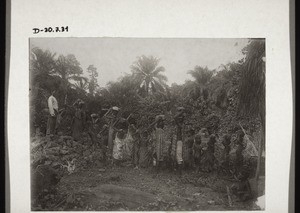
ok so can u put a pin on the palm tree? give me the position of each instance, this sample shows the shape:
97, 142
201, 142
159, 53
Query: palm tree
252, 88
67, 67
149, 75
202, 77
42, 64
81, 83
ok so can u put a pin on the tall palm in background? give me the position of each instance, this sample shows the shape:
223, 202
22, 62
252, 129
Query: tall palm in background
252, 88
149, 75
41, 67
202, 76
42, 64
67, 67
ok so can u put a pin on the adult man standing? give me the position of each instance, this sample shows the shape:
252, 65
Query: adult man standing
53, 112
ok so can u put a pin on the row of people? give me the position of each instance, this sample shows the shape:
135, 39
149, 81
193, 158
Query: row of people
154, 146
121, 140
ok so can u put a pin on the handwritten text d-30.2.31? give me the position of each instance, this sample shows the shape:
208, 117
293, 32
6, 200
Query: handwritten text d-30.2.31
51, 29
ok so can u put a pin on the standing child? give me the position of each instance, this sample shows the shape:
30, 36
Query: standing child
79, 121
144, 151
197, 152
135, 135
239, 160
159, 140
118, 146
208, 161
243, 189
188, 149
179, 120
112, 118
226, 143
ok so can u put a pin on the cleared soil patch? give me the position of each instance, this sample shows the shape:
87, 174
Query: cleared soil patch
126, 188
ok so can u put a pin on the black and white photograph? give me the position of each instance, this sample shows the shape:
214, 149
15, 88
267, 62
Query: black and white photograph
147, 124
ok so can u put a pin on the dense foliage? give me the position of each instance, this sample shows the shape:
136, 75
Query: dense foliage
214, 99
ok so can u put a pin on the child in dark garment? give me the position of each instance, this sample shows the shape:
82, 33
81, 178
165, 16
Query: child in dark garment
145, 152
209, 159
226, 143
136, 139
239, 161
197, 152
188, 149
243, 189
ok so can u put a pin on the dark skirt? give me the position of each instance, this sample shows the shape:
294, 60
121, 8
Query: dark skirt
188, 156
51, 124
77, 129
145, 157
207, 163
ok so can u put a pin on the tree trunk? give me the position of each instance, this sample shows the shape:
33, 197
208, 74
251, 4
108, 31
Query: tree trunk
147, 88
260, 146
259, 160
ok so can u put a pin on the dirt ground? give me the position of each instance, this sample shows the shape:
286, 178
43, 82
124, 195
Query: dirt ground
128, 188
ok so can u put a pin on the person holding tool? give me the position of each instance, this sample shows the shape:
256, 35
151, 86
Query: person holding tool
111, 117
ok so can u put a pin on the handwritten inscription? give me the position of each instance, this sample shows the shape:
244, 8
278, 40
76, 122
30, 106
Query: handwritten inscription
51, 30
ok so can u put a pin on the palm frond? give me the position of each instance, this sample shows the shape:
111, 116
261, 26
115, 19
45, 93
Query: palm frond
201, 75
158, 70
161, 78
147, 72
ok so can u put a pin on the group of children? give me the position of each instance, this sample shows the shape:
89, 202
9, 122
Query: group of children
121, 140
154, 146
